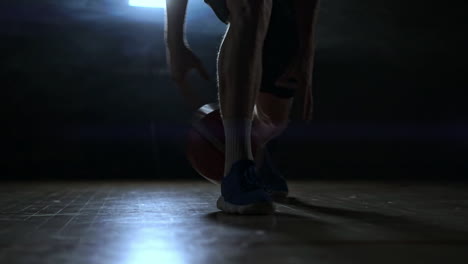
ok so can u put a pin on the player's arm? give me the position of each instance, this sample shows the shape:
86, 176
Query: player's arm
175, 20
179, 56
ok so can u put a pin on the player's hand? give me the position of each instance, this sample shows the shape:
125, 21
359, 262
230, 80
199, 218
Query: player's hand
181, 61
298, 77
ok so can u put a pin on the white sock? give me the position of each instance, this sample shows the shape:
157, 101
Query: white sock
238, 142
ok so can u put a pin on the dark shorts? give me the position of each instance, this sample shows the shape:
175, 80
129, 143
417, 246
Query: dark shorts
280, 44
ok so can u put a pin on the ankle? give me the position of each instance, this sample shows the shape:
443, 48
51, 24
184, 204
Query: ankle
237, 141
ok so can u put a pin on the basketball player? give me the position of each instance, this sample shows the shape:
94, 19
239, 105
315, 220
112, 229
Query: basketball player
265, 61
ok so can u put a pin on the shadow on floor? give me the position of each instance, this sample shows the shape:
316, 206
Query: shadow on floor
314, 224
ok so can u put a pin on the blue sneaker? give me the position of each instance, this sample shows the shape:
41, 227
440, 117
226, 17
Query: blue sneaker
272, 179
242, 191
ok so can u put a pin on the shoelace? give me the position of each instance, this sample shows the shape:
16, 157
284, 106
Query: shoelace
250, 180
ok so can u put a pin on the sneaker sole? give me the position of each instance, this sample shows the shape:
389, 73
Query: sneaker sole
264, 208
279, 196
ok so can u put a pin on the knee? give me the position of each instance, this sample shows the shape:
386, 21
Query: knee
252, 13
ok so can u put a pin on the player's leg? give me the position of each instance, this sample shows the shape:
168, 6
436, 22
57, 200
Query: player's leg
285, 77
275, 100
288, 75
239, 73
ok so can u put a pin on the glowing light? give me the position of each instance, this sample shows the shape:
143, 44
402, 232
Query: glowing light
148, 3
148, 244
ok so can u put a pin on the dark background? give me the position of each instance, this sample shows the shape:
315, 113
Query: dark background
86, 92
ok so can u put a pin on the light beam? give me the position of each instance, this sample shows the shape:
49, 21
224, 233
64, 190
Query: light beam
148, 3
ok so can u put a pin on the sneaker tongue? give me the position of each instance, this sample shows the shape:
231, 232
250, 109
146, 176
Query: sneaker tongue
250, 179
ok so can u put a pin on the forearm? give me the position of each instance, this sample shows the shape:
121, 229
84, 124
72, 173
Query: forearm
175, 20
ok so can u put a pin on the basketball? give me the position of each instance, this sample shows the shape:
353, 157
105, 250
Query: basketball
205, 143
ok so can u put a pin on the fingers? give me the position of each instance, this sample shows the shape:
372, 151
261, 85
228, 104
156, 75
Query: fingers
201, 70
190, 98
179, 71
180, 76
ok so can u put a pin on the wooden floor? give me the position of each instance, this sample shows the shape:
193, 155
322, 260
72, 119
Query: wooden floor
177, 222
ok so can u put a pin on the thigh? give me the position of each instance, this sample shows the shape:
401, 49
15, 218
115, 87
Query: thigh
280, 47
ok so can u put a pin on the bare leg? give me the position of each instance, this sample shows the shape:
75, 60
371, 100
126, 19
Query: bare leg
239, 73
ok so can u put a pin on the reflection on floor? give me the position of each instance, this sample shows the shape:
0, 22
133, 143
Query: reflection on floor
177, 222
